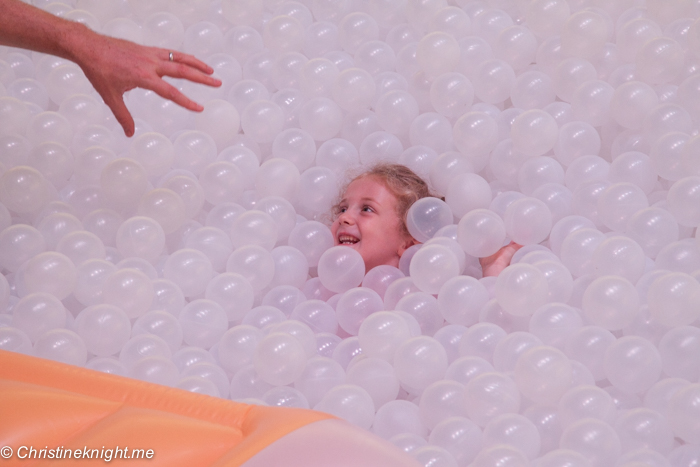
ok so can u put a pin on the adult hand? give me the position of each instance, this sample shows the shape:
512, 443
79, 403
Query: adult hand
115, 66
497, 262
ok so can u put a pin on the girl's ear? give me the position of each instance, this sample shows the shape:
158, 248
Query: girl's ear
406, 244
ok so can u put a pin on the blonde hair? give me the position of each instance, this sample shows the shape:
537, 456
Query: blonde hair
401, 181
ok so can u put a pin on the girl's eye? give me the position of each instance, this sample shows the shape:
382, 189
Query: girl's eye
367, 209
342, 210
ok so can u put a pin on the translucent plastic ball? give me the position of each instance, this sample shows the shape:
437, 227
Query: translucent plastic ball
532, 90
141, 237
426, 216
354, 89
203, 323
461, 298
254, 263
321, 117
81, 246
254, 228
395, 110
509, 349
104, 329
491, 394
341, 268
611, 302
590, 102
23, 189
355, 306
193, 150
682, 201
14, 115
517, 45
37, 313
165, 206
584, 34
237, 347
284, 33
619, 202
475, 135
683, 412
543, 374
433, 130
513, 430
534, 132
632, 364
521, 289
631, 102
673, 299
380, 146
214, 243
14, 340
220, 120
422, 309
632, 35
437, 53
162, 324
459, 436
18, 244
163, 29
527, 221
381, 333
56, 225
316, 314
554, 323
279, 359
677, 348
91, 277
441, 400
349, 402
50, 272
129, 289
452, 94
432, 266
291, 267
123, 182
278, 177
312, 238
356, 28
481, 232
481, 340
66, 80
262, 120
54, 161
376, 376
620, 256
594, 439
571, 73
295, 145
61, 345
221, 182
493, 80
419, 362
190, 269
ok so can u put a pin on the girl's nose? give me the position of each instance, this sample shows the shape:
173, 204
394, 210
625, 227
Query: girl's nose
346, 218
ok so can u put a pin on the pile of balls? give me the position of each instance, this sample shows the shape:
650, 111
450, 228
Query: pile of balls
198, 255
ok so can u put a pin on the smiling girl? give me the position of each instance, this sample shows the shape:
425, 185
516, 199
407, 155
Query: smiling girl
371, 218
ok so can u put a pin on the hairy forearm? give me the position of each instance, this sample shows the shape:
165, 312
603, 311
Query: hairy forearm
28, 27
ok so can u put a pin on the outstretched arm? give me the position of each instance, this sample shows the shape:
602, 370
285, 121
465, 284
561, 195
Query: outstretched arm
497, 262
113, 66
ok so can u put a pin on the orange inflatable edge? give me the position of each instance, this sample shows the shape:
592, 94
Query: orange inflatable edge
259, 426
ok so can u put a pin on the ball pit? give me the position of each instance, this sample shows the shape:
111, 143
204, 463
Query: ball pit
198, 255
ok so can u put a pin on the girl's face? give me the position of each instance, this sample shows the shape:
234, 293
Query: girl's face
367, 221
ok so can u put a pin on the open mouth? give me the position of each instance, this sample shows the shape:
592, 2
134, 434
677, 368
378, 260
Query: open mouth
347, 240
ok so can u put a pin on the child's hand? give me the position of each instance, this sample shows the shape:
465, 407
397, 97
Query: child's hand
497, 262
